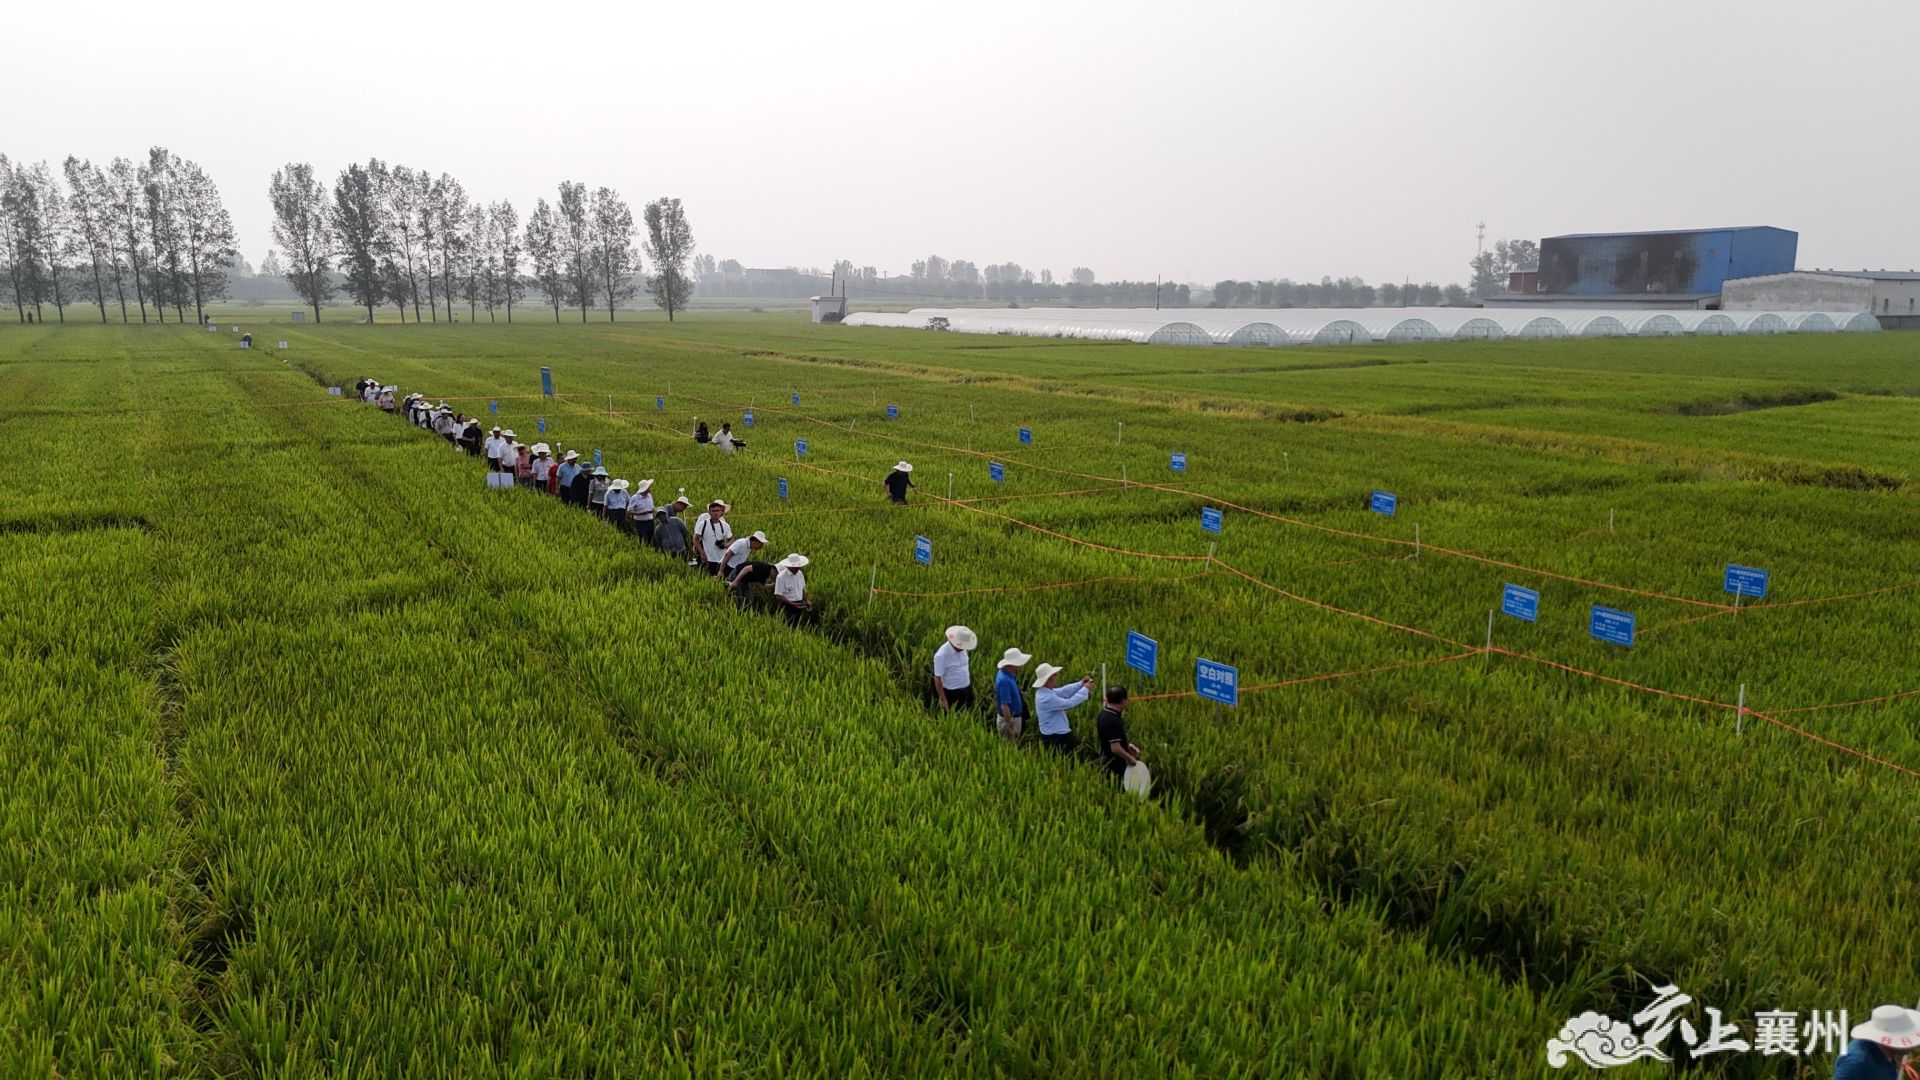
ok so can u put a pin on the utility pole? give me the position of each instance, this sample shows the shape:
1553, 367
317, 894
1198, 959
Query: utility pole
1480, 239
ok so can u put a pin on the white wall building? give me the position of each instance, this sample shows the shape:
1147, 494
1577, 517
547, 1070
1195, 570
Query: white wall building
1891, 296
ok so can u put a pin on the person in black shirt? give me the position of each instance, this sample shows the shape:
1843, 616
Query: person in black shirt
1110, 729
577, 490
898, 481
746, 577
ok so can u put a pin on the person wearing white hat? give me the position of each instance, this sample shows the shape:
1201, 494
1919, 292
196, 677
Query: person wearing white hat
952, 675
898, 481
597, 482
509, 459
493, 446
640, 511
539, 466
616, 504
468, 435
1050, 705
670, 533
790, 589
712, 535
386, 399
739, 552
1880, 1045
564, 475
1010, 707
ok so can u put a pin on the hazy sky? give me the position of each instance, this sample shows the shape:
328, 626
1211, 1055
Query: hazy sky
1190, 140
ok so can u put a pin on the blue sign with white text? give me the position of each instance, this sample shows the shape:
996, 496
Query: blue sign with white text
923, 551
1519, 603
1216, 682
796, 397
893, 412
541, 423
493, 407
747, 418
596, 459
1143, 653
1211, 519
1745, 581
546, 381
783, 489
659, 403
1384, 502
997, 471
1026, 436
1178, 463
1612, 626
800, 447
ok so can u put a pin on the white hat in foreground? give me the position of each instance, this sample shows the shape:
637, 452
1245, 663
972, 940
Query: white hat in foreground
541, 448
617, 485
1137, 780
1013, 658
507, 434
643, 487
571, 455
903, 467
1044, 672
1891, 1026
758, 536
962, 638
792, 562
722, 504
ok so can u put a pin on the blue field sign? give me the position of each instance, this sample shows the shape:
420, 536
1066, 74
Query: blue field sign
596, 459
1384, 502
546, 381
796, 397
799, 448
923, 551
1026, 436
783, 489
1143, 653
747, 418
493, 407
1612, 626
893, 412
659, 403
1749, 581
1216, 682
541, 425
1520, 603
1211, 519
997, 471
1178, 463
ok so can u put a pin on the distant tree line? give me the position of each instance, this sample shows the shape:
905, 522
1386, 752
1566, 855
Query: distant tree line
400, 236
145, 237
1346, 292
934, 279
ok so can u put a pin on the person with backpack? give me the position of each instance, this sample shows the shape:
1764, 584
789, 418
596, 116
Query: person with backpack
711, 535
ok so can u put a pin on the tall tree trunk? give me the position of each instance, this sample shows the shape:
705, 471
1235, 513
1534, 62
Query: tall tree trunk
403, 313
99, 291
19, 302
120, 290
139, 287
316, 313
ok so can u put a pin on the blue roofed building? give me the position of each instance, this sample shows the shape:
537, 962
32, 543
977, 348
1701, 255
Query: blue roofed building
1681, 268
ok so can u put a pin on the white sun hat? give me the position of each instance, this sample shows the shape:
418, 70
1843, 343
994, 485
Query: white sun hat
760, 536
1013, 658
643, 487
1044, 672
962, 638
617, 485
722, 504
496, 427
792, 562
1137, 780
541, 448
599, 470
507, 434
1891, 1026
571, 454
903, 467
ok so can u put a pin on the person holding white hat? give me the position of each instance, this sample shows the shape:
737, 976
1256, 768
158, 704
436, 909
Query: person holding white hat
1880, 1045
640, 511
898, 481
952, 676
712, 535
790, 589
616, 504
1010, 708
1050, 705
739, 552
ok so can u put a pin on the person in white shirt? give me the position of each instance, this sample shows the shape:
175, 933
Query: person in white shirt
640, 511
542, 464
724, 440
1050, 704
952, 678
502, 477
790, 589
617, 504
493, 450
740, 551
711, 535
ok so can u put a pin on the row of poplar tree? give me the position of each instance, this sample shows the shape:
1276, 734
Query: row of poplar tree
391, 234
146, 237
153, 234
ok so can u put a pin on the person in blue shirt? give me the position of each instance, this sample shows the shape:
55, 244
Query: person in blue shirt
1880, 1045
1050, 704
1009, 708
569, 468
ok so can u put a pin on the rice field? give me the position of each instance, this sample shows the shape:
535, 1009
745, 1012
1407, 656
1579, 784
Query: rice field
326, 760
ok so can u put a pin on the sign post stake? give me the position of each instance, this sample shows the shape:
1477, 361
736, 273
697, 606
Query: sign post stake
1123, 476
949, 487
1120, 432
1287, 459
1416, 539
970, 418
1736, 605
1609, 520
1489, 648
873, 585
1210, 558
609, 406
1740, 710
1103, 682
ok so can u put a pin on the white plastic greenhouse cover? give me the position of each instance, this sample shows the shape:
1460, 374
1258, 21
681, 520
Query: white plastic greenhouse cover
1809, 322
1649, 323
1592, 324
1854, 322
1465, 324
1705, 322
1758, 322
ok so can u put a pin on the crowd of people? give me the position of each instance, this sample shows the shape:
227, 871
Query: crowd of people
710, 546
